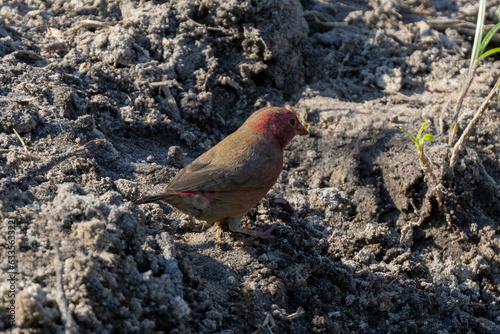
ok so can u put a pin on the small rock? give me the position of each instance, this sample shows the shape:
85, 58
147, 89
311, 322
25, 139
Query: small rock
312, 154
176, 156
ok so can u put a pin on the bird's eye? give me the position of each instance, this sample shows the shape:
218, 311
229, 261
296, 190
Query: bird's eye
292, 122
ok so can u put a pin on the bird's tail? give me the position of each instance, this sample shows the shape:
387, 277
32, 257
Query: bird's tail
149, 199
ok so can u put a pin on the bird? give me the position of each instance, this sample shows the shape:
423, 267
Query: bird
227, 181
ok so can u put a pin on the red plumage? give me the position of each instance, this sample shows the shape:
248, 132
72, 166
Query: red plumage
228, 180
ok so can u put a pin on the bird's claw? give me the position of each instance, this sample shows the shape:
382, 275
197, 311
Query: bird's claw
235, 226
216, 226
257, 234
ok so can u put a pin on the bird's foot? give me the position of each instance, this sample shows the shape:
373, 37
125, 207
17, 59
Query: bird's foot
216, 227
235, 226
258, 234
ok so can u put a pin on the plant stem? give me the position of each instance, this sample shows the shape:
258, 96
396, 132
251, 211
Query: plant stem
426, 167
474, 63
472, 123
479, 34
458, 107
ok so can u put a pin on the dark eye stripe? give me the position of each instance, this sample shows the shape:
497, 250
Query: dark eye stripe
292, 122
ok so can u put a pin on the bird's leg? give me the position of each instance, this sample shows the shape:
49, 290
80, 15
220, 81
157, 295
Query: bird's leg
216, 226
235, 226
218, 231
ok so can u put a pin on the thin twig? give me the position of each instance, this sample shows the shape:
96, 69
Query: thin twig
69, 324
29, 54
300, 312
463, 27
17, 98
163, 85
207, 27
268, 323
329, 24
472, 124
20, 139
172, 103
159, 83
458, 107
89, 24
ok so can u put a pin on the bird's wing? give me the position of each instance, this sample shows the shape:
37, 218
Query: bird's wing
210, 173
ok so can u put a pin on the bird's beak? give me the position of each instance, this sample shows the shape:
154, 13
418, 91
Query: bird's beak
301, 130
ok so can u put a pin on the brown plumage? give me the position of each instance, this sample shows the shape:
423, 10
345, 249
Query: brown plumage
228, 180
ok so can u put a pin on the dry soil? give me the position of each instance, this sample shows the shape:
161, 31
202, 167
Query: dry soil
104, 101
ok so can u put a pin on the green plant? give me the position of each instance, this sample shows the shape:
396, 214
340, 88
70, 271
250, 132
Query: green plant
472, 123
481, 54
419, 141
477, 55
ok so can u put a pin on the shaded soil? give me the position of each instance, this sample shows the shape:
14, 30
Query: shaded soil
102, 102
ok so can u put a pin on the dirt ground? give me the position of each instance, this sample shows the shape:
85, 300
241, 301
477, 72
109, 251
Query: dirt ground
104, 101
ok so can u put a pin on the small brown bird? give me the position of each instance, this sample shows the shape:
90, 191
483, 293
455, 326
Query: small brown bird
228, 180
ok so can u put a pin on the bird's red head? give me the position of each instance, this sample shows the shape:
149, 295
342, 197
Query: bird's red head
278, 124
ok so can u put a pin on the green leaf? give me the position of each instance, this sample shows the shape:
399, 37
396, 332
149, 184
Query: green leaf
488, 53
428, 137
422, 130
411, 136
487, 38
479, 32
